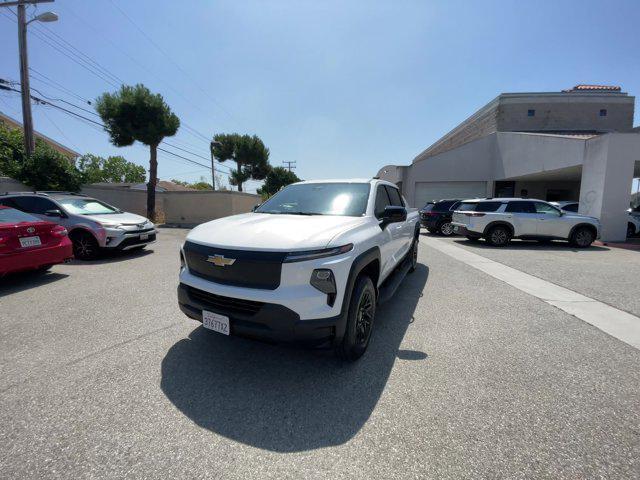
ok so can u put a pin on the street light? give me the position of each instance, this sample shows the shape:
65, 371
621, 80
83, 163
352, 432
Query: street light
45, 17
27, 121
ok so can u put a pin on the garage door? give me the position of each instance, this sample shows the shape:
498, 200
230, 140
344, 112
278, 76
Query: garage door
429, 191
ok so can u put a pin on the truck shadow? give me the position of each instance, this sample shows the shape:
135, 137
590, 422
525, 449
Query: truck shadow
285, 399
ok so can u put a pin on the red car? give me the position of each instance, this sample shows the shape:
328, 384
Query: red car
28, 243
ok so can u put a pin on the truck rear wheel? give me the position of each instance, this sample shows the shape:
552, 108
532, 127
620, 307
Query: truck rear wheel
361, 314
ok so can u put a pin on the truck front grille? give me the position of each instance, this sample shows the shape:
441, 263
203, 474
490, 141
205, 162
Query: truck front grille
224, 304
249, 269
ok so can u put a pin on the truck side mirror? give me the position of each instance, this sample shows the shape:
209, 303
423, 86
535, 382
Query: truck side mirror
393, 214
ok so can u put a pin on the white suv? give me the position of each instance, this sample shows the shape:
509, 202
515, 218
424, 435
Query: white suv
498, 220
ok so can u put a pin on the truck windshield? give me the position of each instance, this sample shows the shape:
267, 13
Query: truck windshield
347, 199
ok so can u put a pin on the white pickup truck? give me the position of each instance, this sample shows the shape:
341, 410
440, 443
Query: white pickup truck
308, 265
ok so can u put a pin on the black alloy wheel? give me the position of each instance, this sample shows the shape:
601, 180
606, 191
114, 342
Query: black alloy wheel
361, 315
85, 247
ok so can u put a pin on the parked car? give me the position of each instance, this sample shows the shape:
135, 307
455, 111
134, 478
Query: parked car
633, 222
28, 243
436, 216
92, 224
308, 265
498, 220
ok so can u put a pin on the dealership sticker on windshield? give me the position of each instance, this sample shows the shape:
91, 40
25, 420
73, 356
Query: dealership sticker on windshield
217, 323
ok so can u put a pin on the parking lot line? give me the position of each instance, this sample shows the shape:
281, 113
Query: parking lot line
615, 322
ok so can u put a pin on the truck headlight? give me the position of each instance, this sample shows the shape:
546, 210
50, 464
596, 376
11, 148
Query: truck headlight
322, 279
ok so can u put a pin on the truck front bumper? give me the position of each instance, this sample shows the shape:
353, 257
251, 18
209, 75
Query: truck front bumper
259, 320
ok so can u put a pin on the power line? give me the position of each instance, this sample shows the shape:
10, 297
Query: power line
60, 48
161, 50
77, 115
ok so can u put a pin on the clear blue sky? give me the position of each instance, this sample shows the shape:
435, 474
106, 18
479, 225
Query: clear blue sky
342, 88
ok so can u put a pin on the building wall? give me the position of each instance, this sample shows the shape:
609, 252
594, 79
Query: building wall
554, 112
566, 113
471, 162
519, 154
482, 125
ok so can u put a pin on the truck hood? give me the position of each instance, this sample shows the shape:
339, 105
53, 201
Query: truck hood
268, 232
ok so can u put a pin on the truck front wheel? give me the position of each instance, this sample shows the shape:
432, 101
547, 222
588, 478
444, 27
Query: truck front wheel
361, 314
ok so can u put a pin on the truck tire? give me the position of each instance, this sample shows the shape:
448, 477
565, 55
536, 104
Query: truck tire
360, 317
631, 231
413, 255
498, 236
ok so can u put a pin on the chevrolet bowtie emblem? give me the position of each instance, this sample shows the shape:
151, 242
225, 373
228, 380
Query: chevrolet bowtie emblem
220, 260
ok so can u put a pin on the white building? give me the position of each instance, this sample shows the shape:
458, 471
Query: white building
577, 144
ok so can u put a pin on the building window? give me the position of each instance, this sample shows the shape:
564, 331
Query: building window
603, 112
531, 113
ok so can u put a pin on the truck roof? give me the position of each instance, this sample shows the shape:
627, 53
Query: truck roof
347, 180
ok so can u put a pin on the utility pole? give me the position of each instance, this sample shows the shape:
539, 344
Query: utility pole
213, 164
290, 165
27, 120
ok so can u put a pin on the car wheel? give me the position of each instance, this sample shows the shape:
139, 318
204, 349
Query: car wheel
631, 231
446, 229
499, 236
85, 246
362, 310
582, 237
472, 238
414, 255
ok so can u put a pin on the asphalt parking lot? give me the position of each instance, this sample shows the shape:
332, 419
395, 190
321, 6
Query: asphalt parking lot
467, 377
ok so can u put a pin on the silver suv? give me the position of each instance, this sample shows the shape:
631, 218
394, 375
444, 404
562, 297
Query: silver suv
498, 220
92, 224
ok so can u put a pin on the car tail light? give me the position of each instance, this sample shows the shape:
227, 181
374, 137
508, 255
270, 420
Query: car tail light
59, 231
474, 214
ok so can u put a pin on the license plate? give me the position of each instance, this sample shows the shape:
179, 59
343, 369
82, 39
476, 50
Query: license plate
30, 241
217, 323
144, 236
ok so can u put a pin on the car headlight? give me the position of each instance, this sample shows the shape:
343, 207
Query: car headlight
313, 254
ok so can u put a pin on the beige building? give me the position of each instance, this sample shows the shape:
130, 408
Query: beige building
577, 144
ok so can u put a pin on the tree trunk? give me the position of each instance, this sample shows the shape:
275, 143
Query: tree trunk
153, 180
239, 177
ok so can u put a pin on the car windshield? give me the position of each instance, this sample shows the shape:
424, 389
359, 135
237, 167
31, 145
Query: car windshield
347, 199
11, 215
428, 207
87, 206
